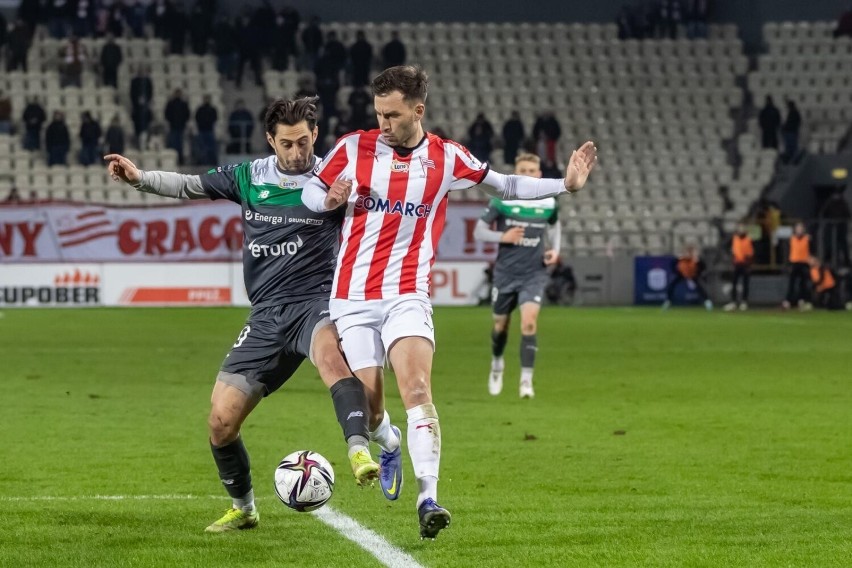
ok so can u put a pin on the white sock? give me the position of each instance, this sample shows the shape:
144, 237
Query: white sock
496, 363
384, 436
246, 502
424, 447
526, 375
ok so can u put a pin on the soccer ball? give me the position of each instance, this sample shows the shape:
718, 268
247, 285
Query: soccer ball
304, 481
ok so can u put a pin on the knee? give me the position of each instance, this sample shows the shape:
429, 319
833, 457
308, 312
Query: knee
223, 430
499, 326
528, 327
418, 391
331, 364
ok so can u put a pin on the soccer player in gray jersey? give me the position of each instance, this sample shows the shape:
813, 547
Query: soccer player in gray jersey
289, 257
520, 272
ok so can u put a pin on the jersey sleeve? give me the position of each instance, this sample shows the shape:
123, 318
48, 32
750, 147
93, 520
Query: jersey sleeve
492, 212
335, 163
227, 182
467, 170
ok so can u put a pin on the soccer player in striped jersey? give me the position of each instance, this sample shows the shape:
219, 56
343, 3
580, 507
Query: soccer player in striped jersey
520, 271
288, 265
394, 182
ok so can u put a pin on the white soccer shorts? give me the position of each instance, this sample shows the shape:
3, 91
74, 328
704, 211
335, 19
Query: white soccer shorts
368, 328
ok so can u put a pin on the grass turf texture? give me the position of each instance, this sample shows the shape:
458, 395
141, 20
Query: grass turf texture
656, 439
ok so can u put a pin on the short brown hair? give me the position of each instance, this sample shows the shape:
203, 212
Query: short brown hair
527, 157
409, 80
291, 112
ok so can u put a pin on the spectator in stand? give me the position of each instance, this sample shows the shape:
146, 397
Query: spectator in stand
361, 55
625, 22
5, 113
31, 12
790, 131
240, 129
141, 88
58, 14
480, 135
334, 52
177, 114
546, 132
115, 24
4, 35
200, 28
135, 16
393, 53
670, 17
742, 253
292, 19
205, 121
142, 118
83, 18
311, 43
281, 44
697, 17
798, 290
826, 291
835, 214
328, 84
307, 86
57, 140
33, 118
176, 29
20, 39
73, 56
550, 170
359, 109
90, 139
114, 137
111, 58
158, 15
770, 121
249, 40
844, 24
226, 48
513, 135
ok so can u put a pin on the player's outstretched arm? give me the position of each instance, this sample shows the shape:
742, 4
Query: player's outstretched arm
317, 198
167, 184
507, 187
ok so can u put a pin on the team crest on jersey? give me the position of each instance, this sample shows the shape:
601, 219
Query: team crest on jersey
287, 183
399, 167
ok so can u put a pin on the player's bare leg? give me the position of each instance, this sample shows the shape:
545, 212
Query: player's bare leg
529, 347
385, 434
411, 358
350, 402
229, 408
499, 336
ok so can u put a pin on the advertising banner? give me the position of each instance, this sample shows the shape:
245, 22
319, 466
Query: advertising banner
652, 277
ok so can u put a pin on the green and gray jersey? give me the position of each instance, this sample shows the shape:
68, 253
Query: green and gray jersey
535, 216
289, 251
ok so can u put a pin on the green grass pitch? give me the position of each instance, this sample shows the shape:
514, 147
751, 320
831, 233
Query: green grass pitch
656, 439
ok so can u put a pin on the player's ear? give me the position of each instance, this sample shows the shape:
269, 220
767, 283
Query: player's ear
314, 134
419, 110
270, 140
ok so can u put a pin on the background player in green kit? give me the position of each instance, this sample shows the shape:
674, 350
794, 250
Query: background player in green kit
289, 257
520, 272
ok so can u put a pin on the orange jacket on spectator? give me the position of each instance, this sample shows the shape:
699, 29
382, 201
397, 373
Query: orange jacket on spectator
689, 267
822, 278
742, 249
800, 248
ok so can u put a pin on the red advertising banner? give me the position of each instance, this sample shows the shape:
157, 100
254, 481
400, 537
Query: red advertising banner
210, 231
198, 231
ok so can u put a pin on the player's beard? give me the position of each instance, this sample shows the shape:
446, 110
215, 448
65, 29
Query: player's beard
299, 167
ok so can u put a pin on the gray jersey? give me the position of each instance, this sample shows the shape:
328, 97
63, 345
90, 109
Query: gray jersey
526, 258
289, 251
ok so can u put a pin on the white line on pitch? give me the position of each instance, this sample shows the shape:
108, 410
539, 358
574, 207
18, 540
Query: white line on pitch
109, 498
372, 542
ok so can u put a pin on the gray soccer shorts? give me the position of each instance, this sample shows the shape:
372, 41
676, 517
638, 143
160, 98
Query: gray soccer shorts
272, 345
510, 291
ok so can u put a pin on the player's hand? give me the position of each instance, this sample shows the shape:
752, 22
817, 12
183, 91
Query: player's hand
550, 257
513, 236
338, 194
580, 165
122, 169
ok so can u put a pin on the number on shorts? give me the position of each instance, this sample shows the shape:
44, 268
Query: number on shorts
242, 337
494, 293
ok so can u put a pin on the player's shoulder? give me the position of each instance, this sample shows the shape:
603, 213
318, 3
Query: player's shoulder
261, 167
354, 136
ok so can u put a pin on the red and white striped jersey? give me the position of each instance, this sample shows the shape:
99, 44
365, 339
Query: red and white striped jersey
396, 211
